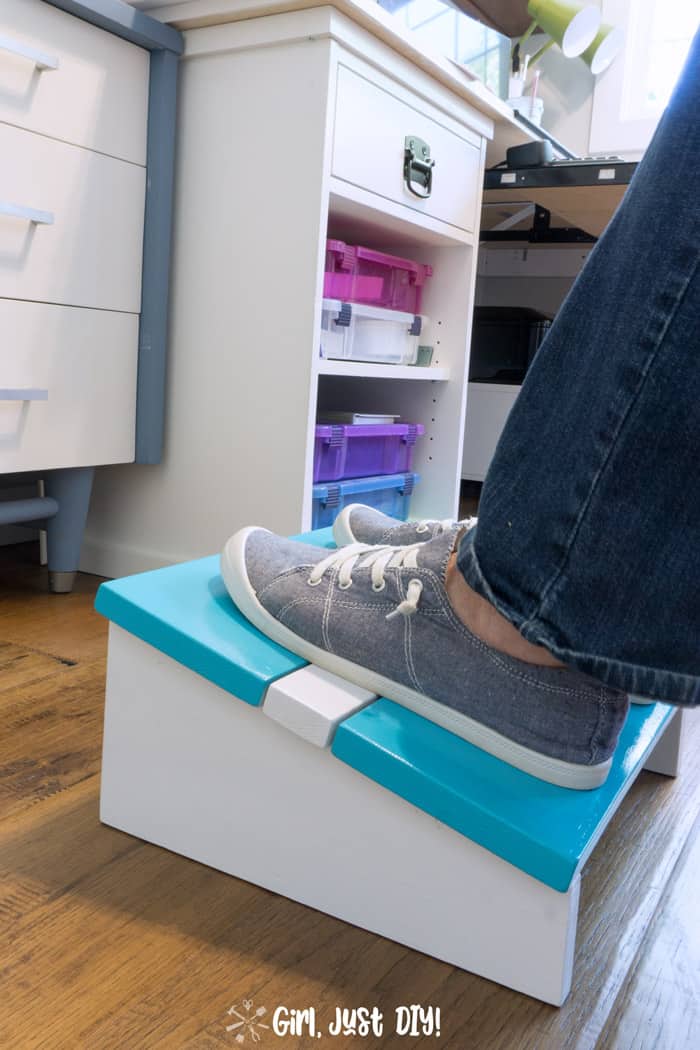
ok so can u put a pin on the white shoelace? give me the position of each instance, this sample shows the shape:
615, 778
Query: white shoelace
378, 559
426, 524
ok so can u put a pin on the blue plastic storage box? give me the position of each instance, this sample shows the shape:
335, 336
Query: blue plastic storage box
390, 493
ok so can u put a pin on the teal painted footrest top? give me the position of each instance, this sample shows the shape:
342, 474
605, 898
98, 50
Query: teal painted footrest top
185, 612
546, 831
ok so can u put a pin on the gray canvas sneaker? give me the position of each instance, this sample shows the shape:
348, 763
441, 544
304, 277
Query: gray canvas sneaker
357, 523
380, 618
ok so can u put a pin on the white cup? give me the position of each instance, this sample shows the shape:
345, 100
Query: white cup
528, 107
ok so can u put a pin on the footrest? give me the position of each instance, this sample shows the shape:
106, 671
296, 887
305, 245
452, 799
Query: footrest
378, 796
185, 611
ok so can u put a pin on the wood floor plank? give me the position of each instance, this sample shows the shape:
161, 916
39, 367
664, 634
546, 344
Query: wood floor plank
109, 943
51, 734
65, 626
659, 1005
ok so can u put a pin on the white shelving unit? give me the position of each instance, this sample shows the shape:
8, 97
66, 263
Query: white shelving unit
369, 370
292, 129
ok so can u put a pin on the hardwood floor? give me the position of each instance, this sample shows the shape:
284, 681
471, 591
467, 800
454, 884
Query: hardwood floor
108, 942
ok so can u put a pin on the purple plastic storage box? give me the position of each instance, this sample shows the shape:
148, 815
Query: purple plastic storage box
360, 275
353, 450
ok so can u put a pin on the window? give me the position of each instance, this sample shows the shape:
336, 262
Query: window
631, 95
450, 32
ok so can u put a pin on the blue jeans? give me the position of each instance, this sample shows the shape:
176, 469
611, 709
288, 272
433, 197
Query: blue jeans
588, 538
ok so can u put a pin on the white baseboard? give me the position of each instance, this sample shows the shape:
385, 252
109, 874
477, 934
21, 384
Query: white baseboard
106, 558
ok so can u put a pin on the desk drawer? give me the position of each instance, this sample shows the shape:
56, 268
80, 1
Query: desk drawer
96, 97
90, 254
368, 149
67, 386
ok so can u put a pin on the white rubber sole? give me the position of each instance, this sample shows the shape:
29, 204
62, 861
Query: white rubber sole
342, 533
553, 770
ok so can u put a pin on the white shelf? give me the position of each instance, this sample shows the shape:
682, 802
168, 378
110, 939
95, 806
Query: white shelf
366, 214
373, 371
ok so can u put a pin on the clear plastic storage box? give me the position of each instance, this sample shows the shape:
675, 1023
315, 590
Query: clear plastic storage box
369, 333
355, 450
391, 494
360, 275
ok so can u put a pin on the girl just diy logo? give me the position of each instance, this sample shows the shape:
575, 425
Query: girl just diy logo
248, 1021
253, 1024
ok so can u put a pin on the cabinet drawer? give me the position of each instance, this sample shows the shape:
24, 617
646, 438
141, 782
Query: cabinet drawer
96, 97
67, 386
371, 125
90, 253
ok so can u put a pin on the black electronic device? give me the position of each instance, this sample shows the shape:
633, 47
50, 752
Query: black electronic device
530, 154
505, 339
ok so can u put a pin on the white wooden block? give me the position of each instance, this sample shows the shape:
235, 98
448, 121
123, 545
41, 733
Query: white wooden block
666, 756
191, 768
312, 703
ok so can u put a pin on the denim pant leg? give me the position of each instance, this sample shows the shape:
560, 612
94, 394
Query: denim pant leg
588, 537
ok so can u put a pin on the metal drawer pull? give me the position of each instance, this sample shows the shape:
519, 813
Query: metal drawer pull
17, 211
417, 167
40, 60
30, 393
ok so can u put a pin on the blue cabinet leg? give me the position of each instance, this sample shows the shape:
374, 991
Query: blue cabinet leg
71, 489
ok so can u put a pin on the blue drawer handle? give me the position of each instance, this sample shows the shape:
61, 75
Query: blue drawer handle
41, 60
18, 211
30, 393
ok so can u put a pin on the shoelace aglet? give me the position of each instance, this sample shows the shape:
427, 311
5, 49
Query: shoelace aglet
409, 605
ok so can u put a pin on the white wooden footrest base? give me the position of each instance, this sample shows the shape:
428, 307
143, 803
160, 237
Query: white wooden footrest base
188, 768
340, 800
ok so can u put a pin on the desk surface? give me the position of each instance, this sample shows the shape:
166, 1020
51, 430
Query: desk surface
583, 195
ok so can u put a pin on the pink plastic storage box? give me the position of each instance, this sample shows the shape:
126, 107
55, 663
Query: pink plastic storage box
352, 450
360, 275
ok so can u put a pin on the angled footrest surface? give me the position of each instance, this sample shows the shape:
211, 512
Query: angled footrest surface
185, 612
546, 831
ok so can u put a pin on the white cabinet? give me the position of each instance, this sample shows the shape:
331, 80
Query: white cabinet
73, 117
292, 129
73, 127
